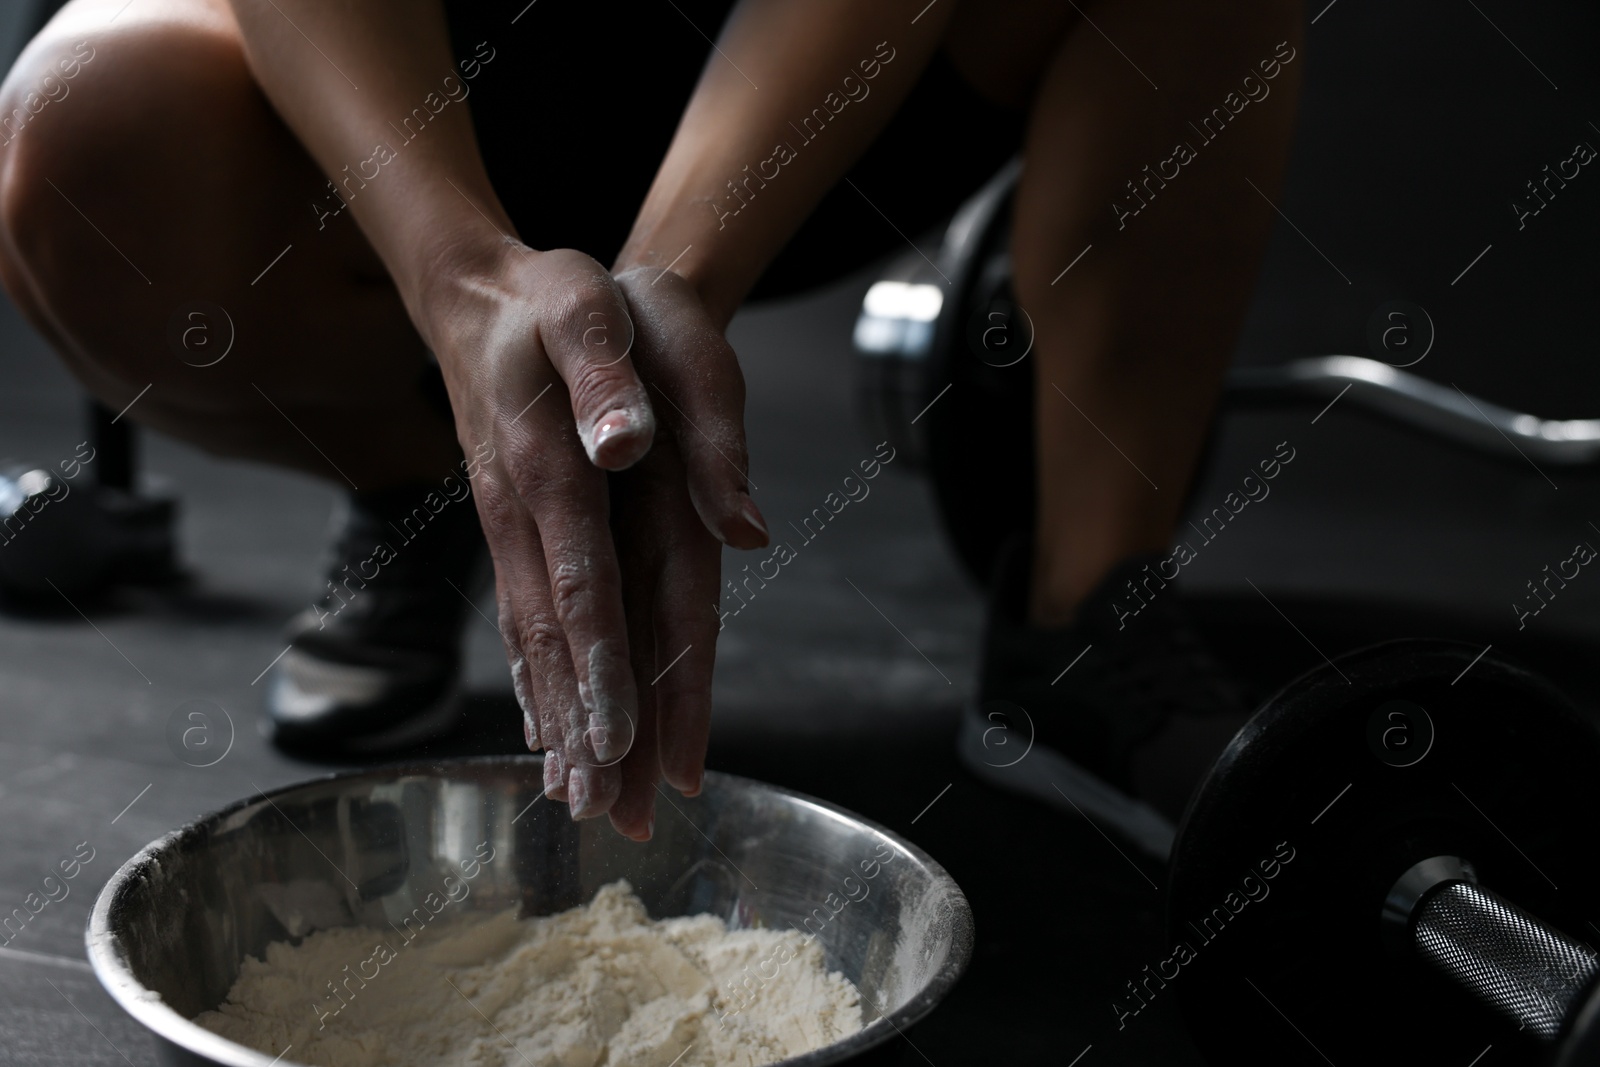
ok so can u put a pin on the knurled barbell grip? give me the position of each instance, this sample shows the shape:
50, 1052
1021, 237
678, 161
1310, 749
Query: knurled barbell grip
1507, 959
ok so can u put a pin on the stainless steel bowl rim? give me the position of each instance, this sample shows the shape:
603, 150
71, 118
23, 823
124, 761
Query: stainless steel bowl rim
147, 1007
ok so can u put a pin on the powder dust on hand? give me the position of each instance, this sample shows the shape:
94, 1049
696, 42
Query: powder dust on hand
602, 985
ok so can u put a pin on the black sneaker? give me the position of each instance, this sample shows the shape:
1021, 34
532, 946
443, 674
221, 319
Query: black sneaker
1117, 716
374, 663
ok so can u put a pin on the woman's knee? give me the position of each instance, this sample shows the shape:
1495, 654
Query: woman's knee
1002, 47
97, 117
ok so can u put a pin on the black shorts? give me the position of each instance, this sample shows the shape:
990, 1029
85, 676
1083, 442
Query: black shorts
576, 108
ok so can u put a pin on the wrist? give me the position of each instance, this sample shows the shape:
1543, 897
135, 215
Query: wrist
463, 269
710, 267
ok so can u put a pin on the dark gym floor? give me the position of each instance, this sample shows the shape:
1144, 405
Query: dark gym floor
1420, 123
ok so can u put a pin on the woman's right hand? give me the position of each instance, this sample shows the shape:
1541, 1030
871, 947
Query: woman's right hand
535, 350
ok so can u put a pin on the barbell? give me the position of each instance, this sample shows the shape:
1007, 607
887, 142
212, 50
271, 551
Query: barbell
1389, 864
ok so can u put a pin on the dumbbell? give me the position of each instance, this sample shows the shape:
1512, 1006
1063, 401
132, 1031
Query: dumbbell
1390, 863
77, 525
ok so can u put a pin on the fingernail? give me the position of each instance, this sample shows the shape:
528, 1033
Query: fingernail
649, 827
530, 732
602, 739
555, 775
605, 695
580, 797
624, 426
524, 701
752, 515
686, 782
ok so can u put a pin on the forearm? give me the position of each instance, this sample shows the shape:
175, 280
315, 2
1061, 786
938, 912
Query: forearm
380, 104
795, 96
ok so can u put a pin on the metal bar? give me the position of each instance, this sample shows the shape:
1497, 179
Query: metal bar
1415, 402
1510, 961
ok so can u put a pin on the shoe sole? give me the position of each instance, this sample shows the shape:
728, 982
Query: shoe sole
437, 722
1045, 774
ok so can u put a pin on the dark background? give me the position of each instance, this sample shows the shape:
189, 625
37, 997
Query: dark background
1420, 124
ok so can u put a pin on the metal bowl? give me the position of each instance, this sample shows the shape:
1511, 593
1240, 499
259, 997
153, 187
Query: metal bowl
169, 931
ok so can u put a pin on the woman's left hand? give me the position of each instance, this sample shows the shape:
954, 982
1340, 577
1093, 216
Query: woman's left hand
668, 514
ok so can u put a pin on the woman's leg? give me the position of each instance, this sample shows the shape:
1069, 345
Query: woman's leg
161, 177
1132, 342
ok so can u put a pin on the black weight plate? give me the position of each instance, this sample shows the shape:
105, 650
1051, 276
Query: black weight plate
980, 433
1581, 1046
1334, 789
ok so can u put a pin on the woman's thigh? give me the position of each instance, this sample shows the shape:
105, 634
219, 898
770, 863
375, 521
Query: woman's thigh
157, 224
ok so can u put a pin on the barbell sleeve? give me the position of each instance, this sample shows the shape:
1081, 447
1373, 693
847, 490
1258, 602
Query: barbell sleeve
1510, 961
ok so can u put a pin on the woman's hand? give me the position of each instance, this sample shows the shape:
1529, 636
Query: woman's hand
664, 513
527, 342
535, 349
535, 346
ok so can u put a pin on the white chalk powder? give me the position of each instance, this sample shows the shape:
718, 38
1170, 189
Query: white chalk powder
598, 986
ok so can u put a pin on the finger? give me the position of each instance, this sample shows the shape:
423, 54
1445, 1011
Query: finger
684, 623
523, 691
686, 620
633, 815
699, 389
521, 669
569, 773
530, 626
588, 336
541, 671
566, 498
